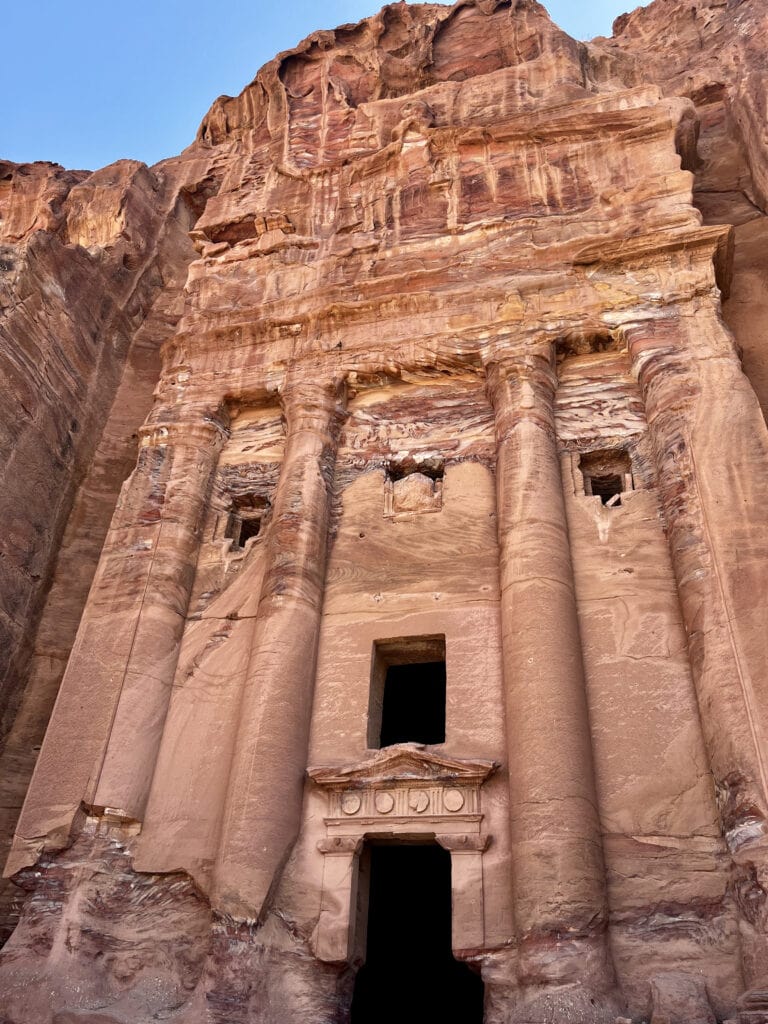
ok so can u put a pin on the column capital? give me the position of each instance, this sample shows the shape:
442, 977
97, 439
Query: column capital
659, 357
315, 400
521, 386
196, 426
534, 365
539, 352
647, 338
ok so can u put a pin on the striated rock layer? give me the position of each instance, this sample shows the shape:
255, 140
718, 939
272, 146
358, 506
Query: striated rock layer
445, 342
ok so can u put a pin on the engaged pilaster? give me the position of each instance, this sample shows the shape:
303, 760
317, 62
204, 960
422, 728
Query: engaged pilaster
711, 452
124, 658
263, 808
192, 448
557, 863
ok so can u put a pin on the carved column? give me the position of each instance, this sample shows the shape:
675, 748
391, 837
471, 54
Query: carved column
711, 452
557, 862
263, 808
102, 741
192, 448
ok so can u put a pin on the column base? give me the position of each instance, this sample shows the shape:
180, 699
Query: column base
565, 979
573, 1002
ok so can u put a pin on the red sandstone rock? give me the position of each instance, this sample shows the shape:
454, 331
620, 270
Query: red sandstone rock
448, 377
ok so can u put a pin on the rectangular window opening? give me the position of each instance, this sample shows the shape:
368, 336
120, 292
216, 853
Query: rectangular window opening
408, 691
246, 519
607, 475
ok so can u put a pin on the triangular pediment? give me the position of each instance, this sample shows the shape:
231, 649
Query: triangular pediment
403, 762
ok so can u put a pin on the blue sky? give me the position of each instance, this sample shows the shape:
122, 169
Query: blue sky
93, 81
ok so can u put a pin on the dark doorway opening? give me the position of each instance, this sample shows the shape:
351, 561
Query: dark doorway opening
413, 709
410, 975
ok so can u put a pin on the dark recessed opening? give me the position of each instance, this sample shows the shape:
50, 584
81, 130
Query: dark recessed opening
249, 513
410, 975
413, 708
242, 530
433, 468
408, 689
607, 487
607, 475
584, 343
248, 528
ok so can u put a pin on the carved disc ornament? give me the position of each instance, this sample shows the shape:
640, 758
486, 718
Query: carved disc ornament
418, 800
453, 800
384, 802
350, 803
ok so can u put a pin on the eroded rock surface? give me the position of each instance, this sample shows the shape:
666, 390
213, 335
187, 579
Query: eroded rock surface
425, 347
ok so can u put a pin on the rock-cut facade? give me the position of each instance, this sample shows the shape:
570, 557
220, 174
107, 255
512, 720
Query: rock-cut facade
384, 494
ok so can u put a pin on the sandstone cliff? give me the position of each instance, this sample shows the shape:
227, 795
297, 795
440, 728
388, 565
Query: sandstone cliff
379, 336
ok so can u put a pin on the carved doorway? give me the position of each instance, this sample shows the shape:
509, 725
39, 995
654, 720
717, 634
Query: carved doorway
410, 974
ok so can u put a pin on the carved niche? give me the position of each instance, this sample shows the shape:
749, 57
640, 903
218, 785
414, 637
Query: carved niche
413, 487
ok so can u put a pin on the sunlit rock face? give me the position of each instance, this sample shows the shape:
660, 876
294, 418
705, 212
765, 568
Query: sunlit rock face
383, 493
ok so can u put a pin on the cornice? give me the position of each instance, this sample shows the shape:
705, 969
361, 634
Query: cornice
404, 762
